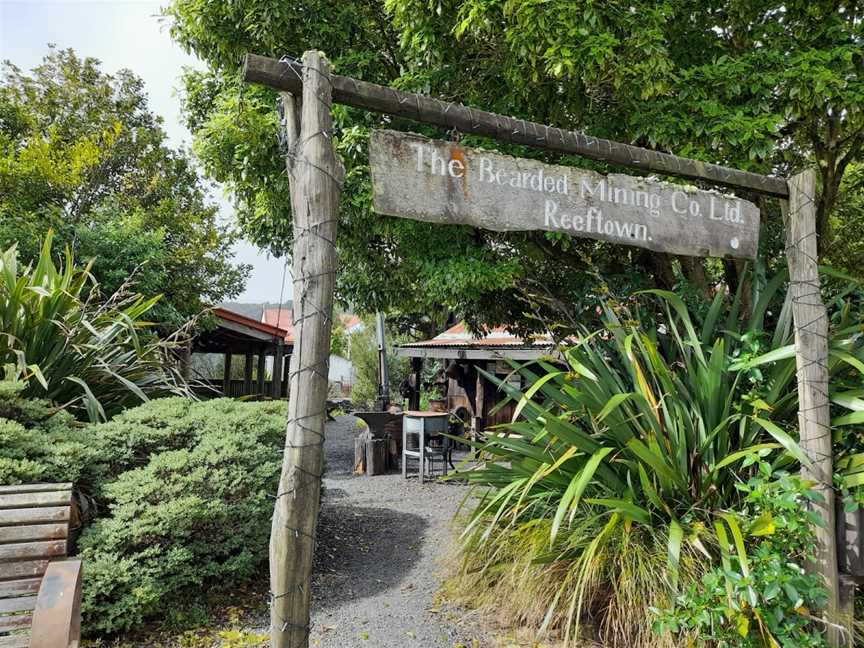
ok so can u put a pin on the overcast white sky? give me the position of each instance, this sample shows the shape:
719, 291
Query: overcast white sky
125, 34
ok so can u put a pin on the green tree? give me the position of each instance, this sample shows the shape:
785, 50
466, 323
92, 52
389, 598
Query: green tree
764, 86
81, 152
845, 247
364, 358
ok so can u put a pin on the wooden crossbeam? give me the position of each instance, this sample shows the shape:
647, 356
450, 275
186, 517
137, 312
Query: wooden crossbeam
286, 76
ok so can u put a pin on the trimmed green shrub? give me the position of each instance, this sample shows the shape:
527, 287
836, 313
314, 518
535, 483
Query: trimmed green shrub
183, 493
38, 442
195, 510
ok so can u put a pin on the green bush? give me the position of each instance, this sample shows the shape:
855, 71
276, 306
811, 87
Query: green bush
194, 509
38, 443
769, 593
183, 493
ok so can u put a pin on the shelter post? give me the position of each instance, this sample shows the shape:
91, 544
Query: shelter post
286, 371
226, 376
479, 423
276, 379
247, 374
262, 369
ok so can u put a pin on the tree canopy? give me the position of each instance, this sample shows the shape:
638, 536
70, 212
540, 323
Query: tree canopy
765, 86
82, 153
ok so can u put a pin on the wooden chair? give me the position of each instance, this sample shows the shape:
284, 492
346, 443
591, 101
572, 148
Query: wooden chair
40, 590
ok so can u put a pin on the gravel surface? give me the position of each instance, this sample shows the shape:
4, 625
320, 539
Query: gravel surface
381, 543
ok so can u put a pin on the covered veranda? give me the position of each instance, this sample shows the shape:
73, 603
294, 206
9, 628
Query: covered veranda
242, 339
469, 395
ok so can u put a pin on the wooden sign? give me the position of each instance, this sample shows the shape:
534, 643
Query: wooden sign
443, 182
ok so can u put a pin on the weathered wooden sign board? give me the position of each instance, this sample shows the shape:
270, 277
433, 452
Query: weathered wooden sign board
443, 182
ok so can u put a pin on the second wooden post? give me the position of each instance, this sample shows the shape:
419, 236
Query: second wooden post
811, 358
315, 176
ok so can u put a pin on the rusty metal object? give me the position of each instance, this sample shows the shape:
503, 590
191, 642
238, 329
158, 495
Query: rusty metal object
57, 617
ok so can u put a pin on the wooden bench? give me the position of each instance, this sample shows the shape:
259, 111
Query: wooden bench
40, 590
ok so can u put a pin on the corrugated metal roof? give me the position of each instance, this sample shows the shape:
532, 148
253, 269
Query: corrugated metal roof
458, 336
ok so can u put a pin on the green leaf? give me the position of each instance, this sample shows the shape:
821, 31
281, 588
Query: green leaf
673, 551
783, 439
763, 525
578, 484
630, 510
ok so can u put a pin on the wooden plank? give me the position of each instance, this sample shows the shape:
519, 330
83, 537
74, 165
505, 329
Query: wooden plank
35, 488
15, 622
286, 76
23, 569
811, 358
41, 515
15, 641
443, 182
19, 604
19, 587
34, 532
28, 500
29, 550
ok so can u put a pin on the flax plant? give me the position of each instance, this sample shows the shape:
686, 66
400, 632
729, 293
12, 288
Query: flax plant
90, 356
618, 476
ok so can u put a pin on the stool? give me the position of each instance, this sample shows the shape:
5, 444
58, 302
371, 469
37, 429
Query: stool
417, 430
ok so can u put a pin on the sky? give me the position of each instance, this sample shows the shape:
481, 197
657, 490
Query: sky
127, 34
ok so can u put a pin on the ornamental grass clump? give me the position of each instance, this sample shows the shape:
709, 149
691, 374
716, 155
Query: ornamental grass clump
92, 356
618, 485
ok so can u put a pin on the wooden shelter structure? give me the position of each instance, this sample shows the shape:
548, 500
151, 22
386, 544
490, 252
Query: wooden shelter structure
238, 335
469, 395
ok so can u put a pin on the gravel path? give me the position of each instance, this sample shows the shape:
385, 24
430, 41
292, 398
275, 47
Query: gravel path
378, 566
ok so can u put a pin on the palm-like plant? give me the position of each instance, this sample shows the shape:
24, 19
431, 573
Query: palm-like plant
93, 357
636, 434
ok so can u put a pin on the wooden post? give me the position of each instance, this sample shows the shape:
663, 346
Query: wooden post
262, 369
315, 176
286, 370
417, 369
479, 404
276, 378
247, 375
226, 376
283, 75
811, 358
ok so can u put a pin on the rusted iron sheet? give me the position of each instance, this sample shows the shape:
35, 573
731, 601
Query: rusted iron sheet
443, 182
57, 617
